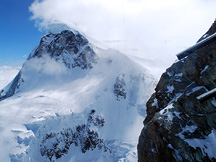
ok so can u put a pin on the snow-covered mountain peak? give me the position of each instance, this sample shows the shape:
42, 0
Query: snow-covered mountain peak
70, 47
72, 101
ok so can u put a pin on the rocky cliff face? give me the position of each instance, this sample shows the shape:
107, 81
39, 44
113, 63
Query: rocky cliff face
72, 48
178, 126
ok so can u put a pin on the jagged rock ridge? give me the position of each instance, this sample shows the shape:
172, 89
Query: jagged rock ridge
70, 47
178, 126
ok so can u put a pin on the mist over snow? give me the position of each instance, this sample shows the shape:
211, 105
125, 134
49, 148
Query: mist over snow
152, 29
44, 65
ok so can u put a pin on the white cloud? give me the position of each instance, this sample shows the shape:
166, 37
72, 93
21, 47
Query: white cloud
44, 65
156, 29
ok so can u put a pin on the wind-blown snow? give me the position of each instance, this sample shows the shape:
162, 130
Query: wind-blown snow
52, 98
56, 28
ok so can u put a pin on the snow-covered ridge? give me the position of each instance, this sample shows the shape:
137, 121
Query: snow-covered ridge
68, 89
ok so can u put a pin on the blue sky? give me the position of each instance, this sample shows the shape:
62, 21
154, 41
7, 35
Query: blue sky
152, 29
18, 34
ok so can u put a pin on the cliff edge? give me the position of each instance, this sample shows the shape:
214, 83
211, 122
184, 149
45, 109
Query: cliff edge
181, 113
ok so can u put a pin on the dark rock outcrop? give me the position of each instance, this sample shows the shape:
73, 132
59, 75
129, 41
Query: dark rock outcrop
178, 126
119, 88
70, 47
56, 144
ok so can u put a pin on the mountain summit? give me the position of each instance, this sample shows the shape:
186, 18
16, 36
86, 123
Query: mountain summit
73, 101
67, 47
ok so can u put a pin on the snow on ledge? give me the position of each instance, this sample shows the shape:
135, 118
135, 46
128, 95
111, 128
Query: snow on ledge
207, 145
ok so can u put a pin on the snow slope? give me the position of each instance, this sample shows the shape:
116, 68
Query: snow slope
74, 102
7, 73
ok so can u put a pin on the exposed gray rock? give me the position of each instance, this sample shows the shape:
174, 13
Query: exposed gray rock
119, 88
178, 126
70, 47
55, 145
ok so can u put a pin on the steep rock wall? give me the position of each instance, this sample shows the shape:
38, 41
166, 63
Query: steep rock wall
178, 126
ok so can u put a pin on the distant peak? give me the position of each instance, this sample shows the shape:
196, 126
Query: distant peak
55, 28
